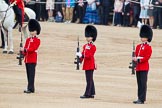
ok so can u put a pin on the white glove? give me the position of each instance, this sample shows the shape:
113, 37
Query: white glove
14, 3
79, 54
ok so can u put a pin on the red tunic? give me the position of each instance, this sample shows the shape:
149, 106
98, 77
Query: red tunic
88, 56
20, 4
143, 51
31, 47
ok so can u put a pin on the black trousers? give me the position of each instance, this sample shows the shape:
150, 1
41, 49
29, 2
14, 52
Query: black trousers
18, 13
105, 15
126, 20
136, 13
80, 13
58, 7
157, 13
43, 13
2, 39
90, 88
30, 70
38, 11
100, 14
142, 84
7, 1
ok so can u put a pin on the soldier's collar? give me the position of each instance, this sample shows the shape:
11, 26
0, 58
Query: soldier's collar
90, 42
145, 43
33, 36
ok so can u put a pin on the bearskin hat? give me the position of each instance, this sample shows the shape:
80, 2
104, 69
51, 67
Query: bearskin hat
34, 25
146, 32
91, 31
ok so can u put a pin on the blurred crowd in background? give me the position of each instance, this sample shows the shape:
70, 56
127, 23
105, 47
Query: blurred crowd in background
104, 12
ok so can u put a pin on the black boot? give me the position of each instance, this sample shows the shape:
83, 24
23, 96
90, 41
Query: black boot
85, 97
138, 102
28, 91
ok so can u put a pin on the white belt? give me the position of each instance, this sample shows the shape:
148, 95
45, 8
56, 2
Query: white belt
139, 57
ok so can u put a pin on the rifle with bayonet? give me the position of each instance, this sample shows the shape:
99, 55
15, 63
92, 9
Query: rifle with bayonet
133, 63
77, 59
20, 56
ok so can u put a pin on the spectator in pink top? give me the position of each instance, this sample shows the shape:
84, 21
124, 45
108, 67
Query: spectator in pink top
118, 5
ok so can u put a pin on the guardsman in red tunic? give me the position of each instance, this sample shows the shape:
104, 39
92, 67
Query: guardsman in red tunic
87, 57
143, 53
19, 10
30, 51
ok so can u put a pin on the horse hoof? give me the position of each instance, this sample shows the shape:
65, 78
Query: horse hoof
4, 52
10, 52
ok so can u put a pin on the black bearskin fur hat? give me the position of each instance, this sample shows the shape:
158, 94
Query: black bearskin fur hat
34, 25
91, 31
146, 32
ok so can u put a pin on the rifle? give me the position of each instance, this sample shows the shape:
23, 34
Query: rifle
20, 56
77, 59
133, 63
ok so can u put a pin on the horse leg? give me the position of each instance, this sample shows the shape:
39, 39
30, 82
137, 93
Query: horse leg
5, 40
25, 32
10, 41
